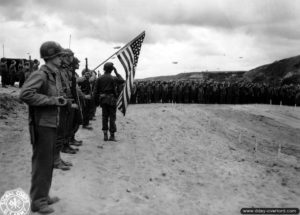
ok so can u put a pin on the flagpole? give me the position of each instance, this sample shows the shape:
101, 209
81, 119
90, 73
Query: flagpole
118, 51
70, 41
105, 61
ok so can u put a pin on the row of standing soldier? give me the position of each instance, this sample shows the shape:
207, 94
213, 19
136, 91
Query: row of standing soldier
57, 107
212, 92
16, 72
59, 102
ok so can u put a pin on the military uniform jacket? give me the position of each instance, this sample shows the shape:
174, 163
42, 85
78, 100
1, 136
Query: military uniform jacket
105, 88
39, 92
85, 86
3, 68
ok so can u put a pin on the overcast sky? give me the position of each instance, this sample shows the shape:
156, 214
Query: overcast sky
198, 34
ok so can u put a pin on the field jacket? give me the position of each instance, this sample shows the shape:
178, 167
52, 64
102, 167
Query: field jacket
39, 92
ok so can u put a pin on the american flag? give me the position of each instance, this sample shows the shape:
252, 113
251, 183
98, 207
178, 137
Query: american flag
129, 56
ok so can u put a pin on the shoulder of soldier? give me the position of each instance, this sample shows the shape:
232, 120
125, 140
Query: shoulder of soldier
102, 77
65, 69
117, 79
92, 79
80, 79
39, 74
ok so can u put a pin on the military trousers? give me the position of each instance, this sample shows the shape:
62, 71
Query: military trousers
4, 78
42, 164
21, 79
87, 112
62, 134
109, 115
77, 121
70, 123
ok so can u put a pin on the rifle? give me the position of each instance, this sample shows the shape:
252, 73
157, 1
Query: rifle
30, 65
74, 90
87, 70
86, 64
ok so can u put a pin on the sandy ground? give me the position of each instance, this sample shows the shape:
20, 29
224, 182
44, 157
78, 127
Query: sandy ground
169, 159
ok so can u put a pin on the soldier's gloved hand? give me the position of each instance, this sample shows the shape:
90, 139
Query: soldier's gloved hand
115, 70
75, 106
61, 101
87, 97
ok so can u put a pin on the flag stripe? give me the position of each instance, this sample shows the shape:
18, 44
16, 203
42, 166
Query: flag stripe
123, 64
132, 73
127, 68
128, 57
129, 51
129, 75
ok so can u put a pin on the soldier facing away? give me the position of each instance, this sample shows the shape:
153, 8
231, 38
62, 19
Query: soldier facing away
105, 93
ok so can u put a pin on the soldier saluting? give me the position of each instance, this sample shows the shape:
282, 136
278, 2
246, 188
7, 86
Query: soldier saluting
105, 93
42, 92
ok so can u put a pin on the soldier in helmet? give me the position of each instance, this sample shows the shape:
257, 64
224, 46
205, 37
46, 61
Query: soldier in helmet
186, 92
164, 92
12, 73
193, 92
66, 115
36, 64
4, 72
142, 90
157, 92
149, 92
92, 80
134, 93
42, 92
27, 71
174, 92
86, 89
21, 74
106, 96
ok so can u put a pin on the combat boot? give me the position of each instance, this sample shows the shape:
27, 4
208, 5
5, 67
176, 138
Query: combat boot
45, 209
52, 200
105, 136
75, 143
112, 137
61, 166
87, 127
68, 150
66, 163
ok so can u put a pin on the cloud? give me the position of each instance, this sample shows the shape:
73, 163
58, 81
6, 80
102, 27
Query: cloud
199, 34
117, 21
11, 10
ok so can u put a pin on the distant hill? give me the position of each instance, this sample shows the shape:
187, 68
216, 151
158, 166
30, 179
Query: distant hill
215, 75
284, 71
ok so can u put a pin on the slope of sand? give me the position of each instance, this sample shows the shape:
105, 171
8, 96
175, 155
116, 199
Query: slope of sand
182, 159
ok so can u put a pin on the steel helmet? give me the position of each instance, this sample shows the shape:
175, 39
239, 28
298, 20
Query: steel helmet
108, 66
50, 49
68, 52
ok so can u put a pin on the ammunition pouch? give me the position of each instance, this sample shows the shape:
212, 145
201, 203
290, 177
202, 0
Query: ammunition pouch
108, 99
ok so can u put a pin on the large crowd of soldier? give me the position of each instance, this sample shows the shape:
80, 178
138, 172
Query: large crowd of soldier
212, 92
16, 70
